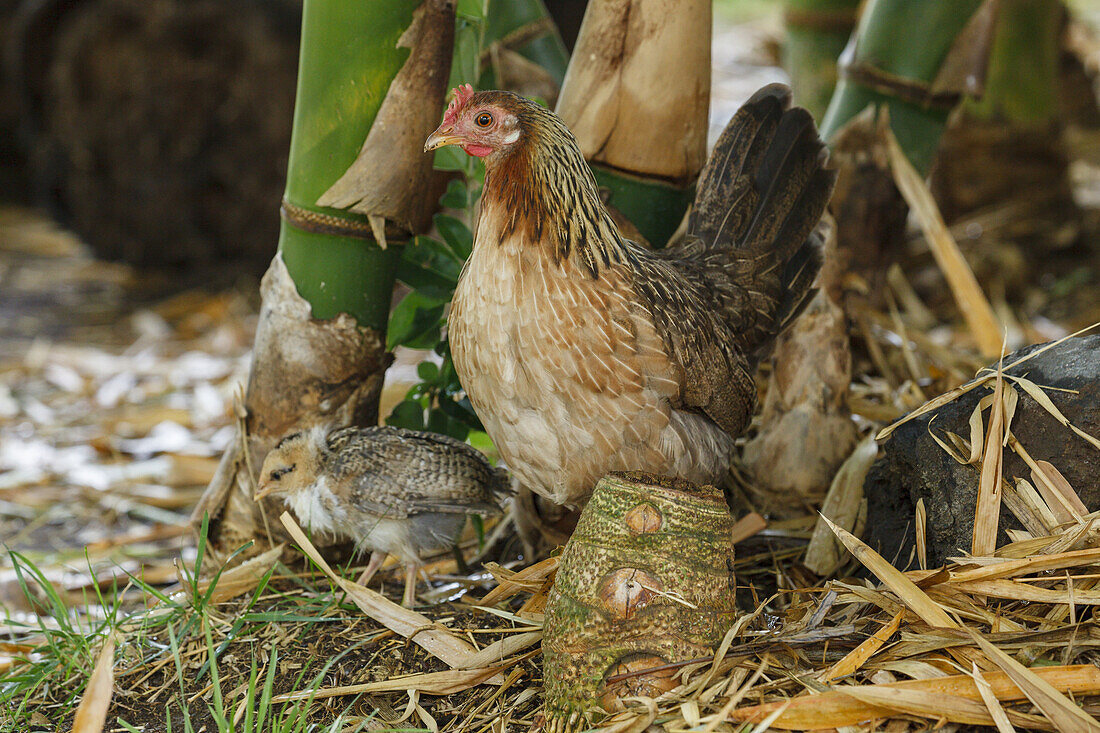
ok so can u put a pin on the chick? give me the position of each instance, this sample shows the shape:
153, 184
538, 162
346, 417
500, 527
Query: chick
391, 491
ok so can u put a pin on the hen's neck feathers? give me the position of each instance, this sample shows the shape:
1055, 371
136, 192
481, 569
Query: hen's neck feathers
544, 191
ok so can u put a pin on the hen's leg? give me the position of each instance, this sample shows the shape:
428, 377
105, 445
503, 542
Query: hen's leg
376, 560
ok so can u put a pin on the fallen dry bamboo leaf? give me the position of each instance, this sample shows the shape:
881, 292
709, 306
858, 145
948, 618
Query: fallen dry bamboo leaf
748, 526
1042, 521
530, 578
937, 706
833, 709
992, 704
154, 534
921, 526
905, 589
91, 716
436, 640
241, 579
987, 512
1026, 566
947, 397
855, 659
1059, 504
430, 683
1075, 535
841, 505
1059, 482
973, 304
498, 651
933, 404
1061, 711
959, 458
977, 430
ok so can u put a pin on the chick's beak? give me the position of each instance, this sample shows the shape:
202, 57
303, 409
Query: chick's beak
443, 135
263, 490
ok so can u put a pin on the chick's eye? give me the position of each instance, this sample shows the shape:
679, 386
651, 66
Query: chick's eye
484, 119
278, 473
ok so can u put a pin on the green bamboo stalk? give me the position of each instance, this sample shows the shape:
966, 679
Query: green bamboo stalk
1021, 84
370, 88
817, 31
1009, 140
348, 59
900, 44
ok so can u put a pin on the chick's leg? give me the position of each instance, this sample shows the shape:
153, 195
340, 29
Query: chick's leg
376, 560
410, 585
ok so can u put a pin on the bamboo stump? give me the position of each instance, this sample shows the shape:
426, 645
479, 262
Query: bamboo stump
646, 580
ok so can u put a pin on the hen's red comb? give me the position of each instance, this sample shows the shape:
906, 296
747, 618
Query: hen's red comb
462, 95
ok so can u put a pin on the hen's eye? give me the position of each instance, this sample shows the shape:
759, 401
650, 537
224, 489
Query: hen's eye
484, 119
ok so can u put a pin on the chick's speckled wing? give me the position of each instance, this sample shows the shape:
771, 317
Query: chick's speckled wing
396, 473
720, 296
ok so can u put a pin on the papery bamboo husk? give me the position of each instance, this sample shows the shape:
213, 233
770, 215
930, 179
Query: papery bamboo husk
805, 430
636, 95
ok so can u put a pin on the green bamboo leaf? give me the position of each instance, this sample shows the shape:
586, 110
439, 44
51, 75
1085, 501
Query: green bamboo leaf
462, 411
407, 414
435, 255
472, 9
467, 53
455, 196
455, 234
426, 281
439, 422
450, 158
415, 322
481, 440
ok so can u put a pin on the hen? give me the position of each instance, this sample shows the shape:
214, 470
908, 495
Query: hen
583, 352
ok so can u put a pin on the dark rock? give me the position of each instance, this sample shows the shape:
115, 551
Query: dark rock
915, 467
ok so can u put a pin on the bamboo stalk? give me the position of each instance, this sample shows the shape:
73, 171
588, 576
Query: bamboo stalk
370, 87
349, 57
1021, 82
834, 709
636, 95
908, 78
1008, 140
817, 32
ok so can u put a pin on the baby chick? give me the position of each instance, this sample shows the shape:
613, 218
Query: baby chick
390, 490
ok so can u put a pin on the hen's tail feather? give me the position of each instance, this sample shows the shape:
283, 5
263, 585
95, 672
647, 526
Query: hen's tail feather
760, 199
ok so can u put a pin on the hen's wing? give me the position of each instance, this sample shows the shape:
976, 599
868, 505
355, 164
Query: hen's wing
395, 473
744, 271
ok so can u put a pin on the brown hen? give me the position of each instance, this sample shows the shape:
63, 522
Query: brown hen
583, 352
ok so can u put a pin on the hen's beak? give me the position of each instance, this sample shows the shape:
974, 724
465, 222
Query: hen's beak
441, 137
263, 490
